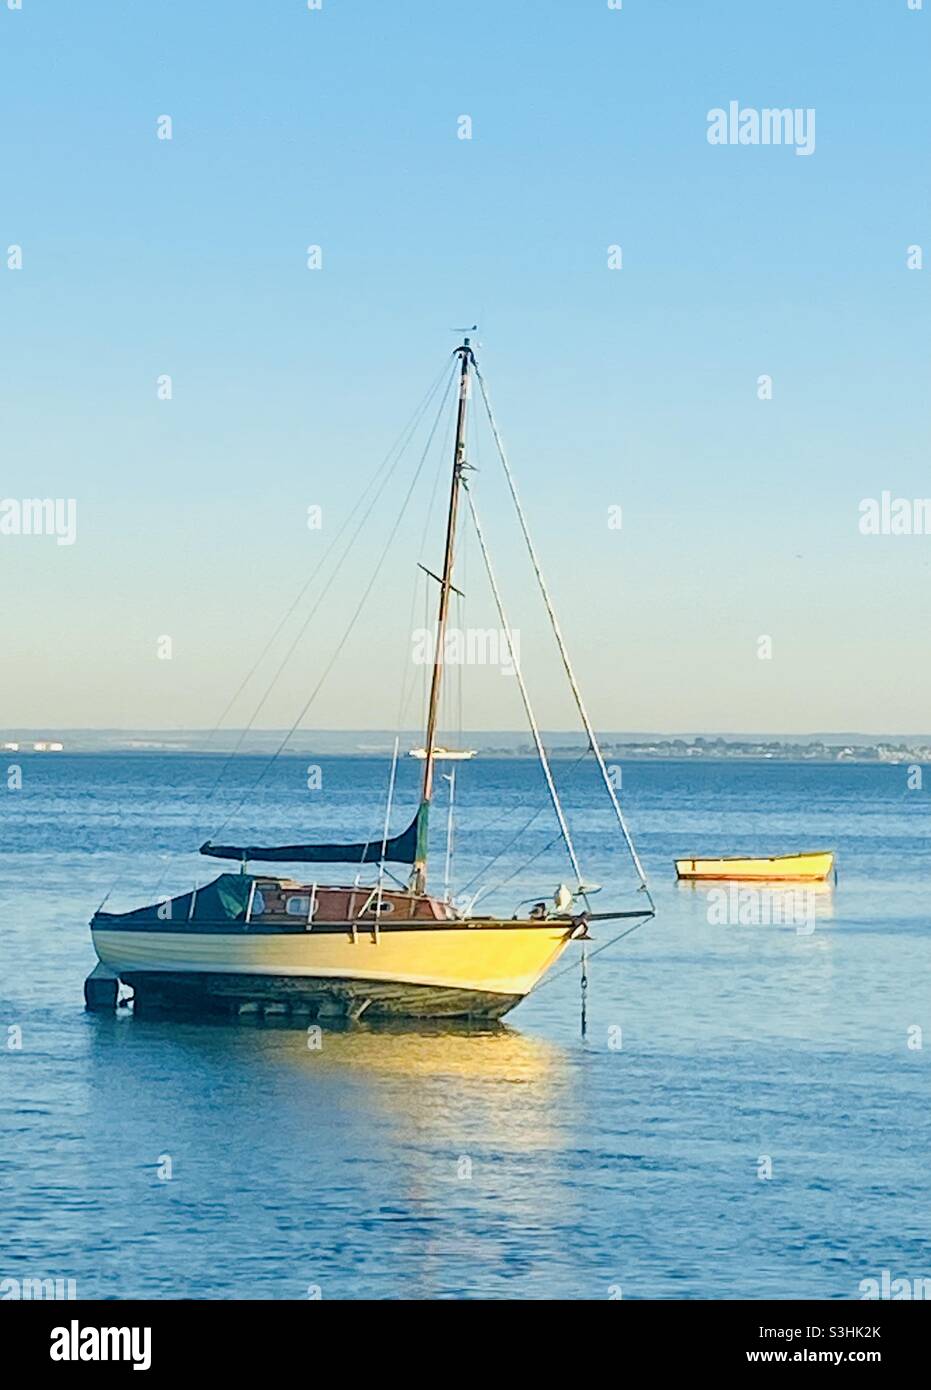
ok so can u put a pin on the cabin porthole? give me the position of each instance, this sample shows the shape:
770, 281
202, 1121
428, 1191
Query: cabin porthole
298, 906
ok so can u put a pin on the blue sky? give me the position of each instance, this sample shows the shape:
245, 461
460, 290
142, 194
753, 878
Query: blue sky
634, 387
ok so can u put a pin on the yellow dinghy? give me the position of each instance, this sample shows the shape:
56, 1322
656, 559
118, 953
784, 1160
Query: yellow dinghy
813, 867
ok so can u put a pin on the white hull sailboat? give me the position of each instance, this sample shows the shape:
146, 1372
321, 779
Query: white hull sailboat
252, 938
445, 755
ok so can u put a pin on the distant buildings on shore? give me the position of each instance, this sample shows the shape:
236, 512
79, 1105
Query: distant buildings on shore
42, 746
715, 748
831, 748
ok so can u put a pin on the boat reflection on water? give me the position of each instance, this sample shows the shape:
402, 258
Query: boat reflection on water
486, 1081
337, 1160
802, 907
490, 1083
486, 1052
479, 1122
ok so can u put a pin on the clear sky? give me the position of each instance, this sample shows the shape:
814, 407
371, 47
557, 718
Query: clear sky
634, 387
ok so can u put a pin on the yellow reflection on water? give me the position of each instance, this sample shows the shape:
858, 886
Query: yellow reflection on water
489, 1053
479, 1120
447, 1143
464, 1086
762, 902
491, 1083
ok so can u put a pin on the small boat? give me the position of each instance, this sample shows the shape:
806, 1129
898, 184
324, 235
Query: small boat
814, 866
446, 755
382, 949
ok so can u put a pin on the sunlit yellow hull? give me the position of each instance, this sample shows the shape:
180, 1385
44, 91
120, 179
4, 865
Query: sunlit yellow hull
444, 970
786, 867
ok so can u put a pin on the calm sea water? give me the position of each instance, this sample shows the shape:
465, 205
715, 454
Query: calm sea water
517, 1161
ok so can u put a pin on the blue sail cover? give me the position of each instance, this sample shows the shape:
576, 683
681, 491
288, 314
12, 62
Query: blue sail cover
224, 900
400, 849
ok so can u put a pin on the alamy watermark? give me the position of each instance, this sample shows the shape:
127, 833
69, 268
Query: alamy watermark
748, 125
886, 515
762, 907
77, 1343
40, 516
887, 1287
48, 1289
470, 646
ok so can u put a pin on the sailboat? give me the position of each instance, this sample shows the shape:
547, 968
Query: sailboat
446, 755
252, 939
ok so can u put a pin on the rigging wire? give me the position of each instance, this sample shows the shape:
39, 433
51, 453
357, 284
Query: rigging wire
580, 703
551, 979
329, 583
396, 452
351, 624
496, 887
398, 446
528, 709
515, 838
407, 693
383, 471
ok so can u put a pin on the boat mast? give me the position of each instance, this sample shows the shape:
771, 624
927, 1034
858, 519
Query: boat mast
419, 876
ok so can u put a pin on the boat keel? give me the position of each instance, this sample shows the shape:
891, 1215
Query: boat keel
162, 991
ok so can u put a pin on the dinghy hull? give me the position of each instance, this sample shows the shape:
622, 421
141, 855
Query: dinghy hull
813, 867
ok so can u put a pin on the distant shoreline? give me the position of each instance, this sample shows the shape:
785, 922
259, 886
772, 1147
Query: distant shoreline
666, 751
